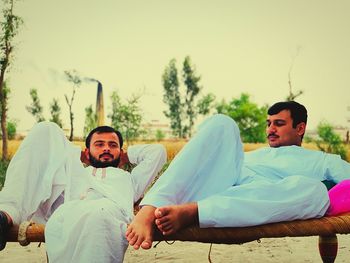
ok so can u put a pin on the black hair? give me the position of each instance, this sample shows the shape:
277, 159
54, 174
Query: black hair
297, 111
102, 129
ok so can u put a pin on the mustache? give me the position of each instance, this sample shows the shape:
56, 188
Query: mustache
272, 135
105, 154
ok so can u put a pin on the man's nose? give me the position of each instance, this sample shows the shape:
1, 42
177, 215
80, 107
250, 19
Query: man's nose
271, 129
106, 149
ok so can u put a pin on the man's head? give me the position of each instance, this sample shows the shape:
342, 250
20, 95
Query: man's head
286, 124
103, 146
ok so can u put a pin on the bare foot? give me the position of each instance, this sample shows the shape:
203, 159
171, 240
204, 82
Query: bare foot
140, 231
170, 219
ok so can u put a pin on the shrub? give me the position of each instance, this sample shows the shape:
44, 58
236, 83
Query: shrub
3, 168
330, 141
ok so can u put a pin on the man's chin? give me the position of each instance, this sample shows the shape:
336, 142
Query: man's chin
98, 163
103, 164
274, 144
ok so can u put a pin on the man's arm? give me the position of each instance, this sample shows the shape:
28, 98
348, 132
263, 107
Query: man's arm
337, 169
83, 159
124, 159
149, 160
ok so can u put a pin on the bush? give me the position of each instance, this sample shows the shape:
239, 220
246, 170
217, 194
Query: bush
11, 129
330, 141
3, 168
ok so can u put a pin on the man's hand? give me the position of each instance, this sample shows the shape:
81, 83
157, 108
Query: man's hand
124, 159
84, 159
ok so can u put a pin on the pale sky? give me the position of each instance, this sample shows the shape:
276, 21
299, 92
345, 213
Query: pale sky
236, 46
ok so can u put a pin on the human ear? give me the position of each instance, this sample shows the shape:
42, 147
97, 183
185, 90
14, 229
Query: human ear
301, 127
84, 157
86, 152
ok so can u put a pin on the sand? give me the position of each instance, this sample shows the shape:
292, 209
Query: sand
268, 250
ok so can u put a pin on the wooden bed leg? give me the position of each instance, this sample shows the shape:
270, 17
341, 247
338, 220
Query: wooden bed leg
328, 247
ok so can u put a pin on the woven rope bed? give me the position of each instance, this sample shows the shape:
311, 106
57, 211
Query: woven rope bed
326, 228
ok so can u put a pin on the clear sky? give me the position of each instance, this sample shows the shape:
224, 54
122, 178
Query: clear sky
236, 46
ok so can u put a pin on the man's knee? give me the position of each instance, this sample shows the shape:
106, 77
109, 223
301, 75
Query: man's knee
46, 129
221, 122
45, 126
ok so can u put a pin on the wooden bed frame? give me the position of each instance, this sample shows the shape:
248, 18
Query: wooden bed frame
326, 228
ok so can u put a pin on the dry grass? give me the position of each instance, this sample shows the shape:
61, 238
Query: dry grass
12, 147
172, 146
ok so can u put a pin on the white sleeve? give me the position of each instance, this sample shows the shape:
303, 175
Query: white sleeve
149, 160
336, 169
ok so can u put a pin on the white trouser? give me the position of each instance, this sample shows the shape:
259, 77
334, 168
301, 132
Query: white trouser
89, 230
260, 202
208, 167
37, 174
209, 163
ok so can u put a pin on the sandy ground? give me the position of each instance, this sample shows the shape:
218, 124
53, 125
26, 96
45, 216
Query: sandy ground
268, 250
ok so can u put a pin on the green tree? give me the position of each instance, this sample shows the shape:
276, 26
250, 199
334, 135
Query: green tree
11, 129
3, 168
9, 24
90, 120
250, 118
191, 82
329, 141
172, 98
55, 110
183, 112
72, 77
35, 107
205, 103
126, 117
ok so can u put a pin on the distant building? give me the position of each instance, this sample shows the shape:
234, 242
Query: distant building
154, 126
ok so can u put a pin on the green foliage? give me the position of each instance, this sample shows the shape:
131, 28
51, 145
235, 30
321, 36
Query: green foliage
172, 98
250, 119
183, 112
191, 82
11, 129
308, 139
9, 25
160, 135
3, 167
5, 95
35, 107
90, 120
205, 103
126, 117
55, 110
330, 141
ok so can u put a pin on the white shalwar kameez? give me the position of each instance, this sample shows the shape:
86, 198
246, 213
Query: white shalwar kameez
98, 203
233, 189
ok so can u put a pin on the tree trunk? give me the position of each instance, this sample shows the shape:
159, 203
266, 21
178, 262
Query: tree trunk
71, 124
3, 115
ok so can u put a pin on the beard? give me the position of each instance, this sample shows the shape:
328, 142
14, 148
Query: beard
98, 164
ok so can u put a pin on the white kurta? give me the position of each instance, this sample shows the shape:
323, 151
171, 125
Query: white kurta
46, 171
233, 189
92, 229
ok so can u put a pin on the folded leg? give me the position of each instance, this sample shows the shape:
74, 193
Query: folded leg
209, 163
35, 169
